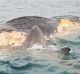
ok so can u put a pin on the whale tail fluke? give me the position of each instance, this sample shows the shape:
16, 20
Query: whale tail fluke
35, 36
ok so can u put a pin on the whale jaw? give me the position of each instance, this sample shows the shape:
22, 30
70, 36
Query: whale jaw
35, 37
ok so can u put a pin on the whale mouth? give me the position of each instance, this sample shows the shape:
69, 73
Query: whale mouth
12, 38
67, 25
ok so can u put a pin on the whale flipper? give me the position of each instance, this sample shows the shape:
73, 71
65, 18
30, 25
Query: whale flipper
64, 50
35, 36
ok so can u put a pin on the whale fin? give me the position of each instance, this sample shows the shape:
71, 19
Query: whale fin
35, 36
65, 50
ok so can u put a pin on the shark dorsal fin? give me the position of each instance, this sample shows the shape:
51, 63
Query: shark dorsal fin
35, 36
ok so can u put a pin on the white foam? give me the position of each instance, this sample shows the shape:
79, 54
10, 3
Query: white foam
37, 46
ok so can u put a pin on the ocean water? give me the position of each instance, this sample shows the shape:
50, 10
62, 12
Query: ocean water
48, 8
19, 61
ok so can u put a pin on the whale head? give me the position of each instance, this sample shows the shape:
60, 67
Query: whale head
35, 37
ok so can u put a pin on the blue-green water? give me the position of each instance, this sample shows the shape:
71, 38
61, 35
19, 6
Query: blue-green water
24, 62
20, 61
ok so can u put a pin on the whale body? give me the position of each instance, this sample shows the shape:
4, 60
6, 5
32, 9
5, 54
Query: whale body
47, 25
25, 23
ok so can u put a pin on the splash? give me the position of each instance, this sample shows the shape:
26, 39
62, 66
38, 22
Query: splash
13, 38
37, 46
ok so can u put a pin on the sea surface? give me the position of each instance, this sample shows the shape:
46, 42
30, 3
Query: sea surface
22, 62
